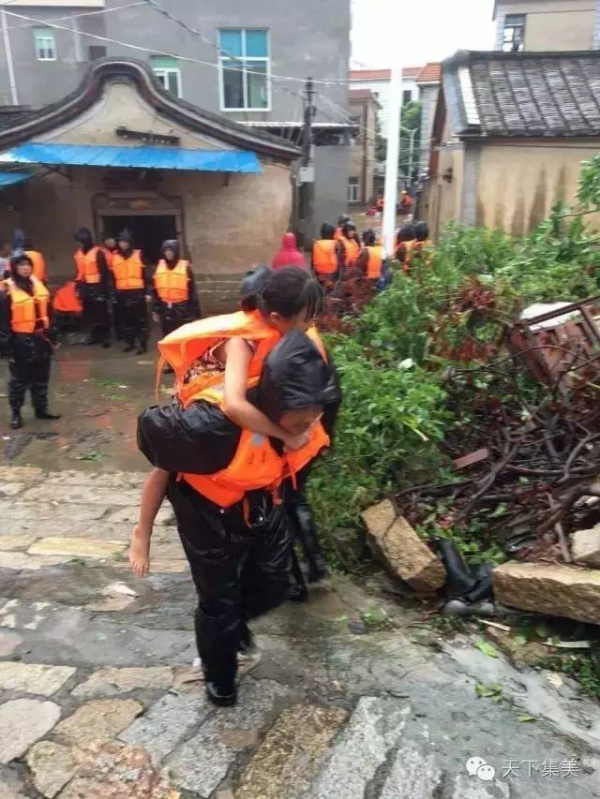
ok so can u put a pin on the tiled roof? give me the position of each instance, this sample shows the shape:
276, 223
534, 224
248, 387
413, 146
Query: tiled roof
524, 94
381, 74
431, 73
361, 94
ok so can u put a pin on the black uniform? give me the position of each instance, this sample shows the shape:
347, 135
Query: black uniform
30, 358
174, 315
95, 297
239, 556
132, 308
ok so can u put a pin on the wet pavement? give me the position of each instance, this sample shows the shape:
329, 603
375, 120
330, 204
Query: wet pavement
99, 698
99, 394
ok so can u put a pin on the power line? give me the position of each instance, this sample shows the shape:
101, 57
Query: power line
97, 11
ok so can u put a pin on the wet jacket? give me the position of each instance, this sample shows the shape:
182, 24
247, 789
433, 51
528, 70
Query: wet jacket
222, 462
289, 254
26, 332
175, 290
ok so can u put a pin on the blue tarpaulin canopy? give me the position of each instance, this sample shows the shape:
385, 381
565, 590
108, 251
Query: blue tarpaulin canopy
145, 157
12, 178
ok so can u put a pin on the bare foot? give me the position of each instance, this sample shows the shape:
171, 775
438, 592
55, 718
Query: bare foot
139, 552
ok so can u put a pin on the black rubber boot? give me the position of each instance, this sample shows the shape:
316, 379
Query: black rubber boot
221, 696
460, 579
16, 420
46, 415
143, 348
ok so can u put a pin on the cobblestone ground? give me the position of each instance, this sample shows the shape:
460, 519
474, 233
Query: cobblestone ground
99, 699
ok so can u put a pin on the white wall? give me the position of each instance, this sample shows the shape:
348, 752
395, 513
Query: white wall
382, 89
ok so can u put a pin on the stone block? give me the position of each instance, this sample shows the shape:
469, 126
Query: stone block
92, 494
49, 511
19, 474
585, 547
98, 720
10, 543
202, 763
292, 754
167, 722
21, 561
111, 682
33, 678
401, 550
78, 548
51, 766
412, 774
8, 643
11, 489
555, 589
22, 723
375, 728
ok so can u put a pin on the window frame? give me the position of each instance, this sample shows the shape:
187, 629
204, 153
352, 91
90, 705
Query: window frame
40, 33
247, 62
522, 26
355, 186
164, 72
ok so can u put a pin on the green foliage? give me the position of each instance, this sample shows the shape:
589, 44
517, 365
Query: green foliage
584, 668
589, 183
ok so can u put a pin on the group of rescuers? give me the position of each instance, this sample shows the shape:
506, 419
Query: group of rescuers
255, 402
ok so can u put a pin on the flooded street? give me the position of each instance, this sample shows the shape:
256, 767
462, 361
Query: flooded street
99, 394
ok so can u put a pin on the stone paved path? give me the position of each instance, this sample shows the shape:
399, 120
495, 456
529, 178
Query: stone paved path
99, 700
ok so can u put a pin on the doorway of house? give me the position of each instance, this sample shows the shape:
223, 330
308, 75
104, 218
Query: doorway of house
148, 231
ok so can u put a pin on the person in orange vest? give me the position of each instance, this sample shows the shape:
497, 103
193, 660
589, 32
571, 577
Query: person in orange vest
4, 259
348, 247
93, 283
324, 257
109, 248
423, 242
339, 229
22, 243
175, 296
132, 290
371, 257
405, 243
27, 339
231, 506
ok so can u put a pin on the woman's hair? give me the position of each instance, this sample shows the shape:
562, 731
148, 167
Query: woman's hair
369, 238
286, 291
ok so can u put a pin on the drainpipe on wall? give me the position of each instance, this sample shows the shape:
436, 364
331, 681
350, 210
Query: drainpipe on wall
14, 97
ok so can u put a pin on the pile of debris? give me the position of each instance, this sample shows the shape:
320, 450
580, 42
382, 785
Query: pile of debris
527, 466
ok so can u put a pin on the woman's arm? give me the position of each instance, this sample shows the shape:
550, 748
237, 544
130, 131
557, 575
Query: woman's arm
237, 407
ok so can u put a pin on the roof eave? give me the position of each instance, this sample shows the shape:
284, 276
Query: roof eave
186, 114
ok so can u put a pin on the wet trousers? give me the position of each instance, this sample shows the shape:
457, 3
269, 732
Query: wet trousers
174, 317
240, 571
133, 317
96, 318
32, 375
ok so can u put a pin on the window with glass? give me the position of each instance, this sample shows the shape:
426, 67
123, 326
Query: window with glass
352, 190
513, 39
168, 73
45, 44
245, 66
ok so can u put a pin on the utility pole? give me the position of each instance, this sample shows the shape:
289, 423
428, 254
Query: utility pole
14, 97
392, 163
306, 175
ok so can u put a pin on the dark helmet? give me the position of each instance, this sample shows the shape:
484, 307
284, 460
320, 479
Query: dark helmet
406, 233
252, 285
125, 235
171, 244
327, 231
421, 231
343, 219
369, 238
348, 225
19, 257
84, 236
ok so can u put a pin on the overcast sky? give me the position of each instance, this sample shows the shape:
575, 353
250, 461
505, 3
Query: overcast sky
418, 31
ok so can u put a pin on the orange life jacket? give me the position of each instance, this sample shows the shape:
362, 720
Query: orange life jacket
29, 313
66, 299
109, 256
185, 345
87, 266
128, 272
172, 284
255, 466
39, 265
415, 249
375, 262
325, 260
352, 251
